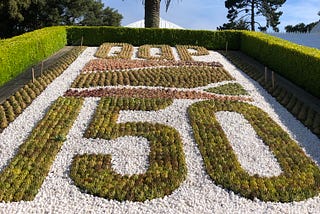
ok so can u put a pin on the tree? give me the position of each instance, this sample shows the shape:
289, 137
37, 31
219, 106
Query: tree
238, 25
253, 8
152, 12
300, 28
19, 16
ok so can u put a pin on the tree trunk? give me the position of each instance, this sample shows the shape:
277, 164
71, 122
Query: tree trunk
152, 13
252, 15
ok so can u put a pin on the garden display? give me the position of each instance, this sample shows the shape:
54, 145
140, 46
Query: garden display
124, 129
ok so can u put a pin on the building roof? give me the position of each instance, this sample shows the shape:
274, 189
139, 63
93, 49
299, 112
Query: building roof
163, 24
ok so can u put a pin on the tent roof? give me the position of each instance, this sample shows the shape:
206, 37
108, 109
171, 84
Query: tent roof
163, 24
316, 29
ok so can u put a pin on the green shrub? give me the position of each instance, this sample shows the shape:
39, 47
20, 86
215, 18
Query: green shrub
296, 63
20, 52
95, 36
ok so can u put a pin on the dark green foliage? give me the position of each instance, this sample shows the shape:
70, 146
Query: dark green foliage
95, 36
25, 173
249, 10
167, 167
300, 28
300, 179
19, 16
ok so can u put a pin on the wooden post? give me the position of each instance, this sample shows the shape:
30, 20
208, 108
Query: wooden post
41, 71
81, 42
32, 71
273, 80
227, 46
265, 75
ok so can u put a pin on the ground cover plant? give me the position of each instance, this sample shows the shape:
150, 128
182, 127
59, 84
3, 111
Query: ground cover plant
174, 106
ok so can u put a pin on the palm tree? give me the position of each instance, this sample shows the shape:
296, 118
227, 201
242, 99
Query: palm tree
152, 12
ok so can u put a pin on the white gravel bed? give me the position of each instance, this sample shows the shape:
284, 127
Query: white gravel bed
197, 194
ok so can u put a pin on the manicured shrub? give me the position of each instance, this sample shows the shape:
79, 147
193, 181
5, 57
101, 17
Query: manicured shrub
95, 36
17, 102
297, 63
20, 52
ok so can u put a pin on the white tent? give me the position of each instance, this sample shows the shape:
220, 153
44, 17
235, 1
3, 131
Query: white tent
163, 24
316, 29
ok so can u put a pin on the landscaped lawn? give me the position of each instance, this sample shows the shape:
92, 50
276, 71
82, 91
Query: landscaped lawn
154, 129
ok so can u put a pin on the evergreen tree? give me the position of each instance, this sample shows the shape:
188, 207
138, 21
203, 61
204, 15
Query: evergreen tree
19, 16
239, 25
248, 10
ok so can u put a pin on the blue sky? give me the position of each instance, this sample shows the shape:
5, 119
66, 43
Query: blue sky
209, 14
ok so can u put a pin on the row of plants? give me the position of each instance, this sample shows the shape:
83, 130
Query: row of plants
165, 52
306, 114
22, 178
21, 99
300, 178
122, 64
167, 167
180, 77
228, 89
125, 52
187, 51
20, 52
150, 93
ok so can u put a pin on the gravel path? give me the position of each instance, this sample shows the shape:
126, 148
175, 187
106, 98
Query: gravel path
197, 194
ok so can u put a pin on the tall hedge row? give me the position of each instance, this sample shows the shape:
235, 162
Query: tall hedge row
20, 52
95, 36
297, 63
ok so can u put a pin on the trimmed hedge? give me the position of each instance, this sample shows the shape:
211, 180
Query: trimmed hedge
20, 52
299, 64
95, 36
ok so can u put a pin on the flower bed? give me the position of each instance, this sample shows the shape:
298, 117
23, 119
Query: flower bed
67, 161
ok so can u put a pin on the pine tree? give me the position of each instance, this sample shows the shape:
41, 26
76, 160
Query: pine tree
248, 10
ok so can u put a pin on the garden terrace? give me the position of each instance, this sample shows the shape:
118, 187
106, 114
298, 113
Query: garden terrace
155, 132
